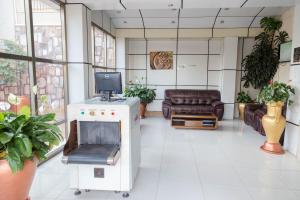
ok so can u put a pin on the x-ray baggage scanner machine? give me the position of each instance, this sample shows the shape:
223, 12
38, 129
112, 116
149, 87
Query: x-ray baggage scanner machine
103, 148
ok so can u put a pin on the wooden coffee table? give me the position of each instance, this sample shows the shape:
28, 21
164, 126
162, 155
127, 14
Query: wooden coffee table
207, 121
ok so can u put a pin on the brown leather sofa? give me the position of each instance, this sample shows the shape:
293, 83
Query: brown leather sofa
192, 102
254, 114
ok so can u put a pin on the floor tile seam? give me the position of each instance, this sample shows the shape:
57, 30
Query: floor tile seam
244, 186
198, 173
160, 166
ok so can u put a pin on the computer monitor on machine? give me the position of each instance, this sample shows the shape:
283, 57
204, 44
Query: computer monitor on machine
108, 83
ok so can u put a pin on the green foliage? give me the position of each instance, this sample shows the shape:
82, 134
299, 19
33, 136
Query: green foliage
10, 69
243, 97
145, 94
261, 65
23, 137
275, 92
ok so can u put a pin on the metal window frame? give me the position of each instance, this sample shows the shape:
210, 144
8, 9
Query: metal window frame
32, 59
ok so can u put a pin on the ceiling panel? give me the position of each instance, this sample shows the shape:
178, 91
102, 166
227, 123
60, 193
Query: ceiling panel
273, 11
199, 12
256, 22
160, 22
100, 4
151, 4
269, 3
160, 13
233, 22
212, 3
203, 22
127, 22
123, 13
233, 12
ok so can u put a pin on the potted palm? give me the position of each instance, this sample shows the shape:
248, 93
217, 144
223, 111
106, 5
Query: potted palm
24, 140
243, 98
275, 95
146, 96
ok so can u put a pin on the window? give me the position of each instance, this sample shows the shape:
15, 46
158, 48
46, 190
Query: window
13, 38
20, 70
48, 29
103, 49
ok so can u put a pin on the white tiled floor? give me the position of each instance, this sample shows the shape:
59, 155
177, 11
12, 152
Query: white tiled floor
225, 164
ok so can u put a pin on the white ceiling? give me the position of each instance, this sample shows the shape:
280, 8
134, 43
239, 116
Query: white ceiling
165, 4
193, 13
193, 18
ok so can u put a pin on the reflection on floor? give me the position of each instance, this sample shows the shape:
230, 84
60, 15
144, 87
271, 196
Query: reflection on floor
192, 164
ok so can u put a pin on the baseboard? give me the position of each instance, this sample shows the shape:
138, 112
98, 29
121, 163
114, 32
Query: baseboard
154, 113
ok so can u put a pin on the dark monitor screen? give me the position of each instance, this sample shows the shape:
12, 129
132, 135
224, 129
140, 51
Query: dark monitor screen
108, 82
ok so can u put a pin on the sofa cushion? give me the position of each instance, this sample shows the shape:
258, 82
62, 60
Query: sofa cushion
193, 109
190, 100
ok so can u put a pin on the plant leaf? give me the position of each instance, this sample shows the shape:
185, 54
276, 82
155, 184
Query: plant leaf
14, 159
24, 145
5, 137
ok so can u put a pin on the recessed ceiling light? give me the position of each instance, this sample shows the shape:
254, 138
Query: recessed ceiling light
173, 22
170, 5
222, 21
125, 22
226, 8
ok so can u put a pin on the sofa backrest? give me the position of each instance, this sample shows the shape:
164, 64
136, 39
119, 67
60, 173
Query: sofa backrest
185, 96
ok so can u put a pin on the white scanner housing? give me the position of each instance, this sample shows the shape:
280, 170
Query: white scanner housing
108, 153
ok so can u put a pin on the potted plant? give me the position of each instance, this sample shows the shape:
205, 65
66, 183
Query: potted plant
243, 98
11, 72
274, 95
24, 140
261, 64
145, 95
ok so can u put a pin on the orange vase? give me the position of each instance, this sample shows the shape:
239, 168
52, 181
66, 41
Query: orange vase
143, 108
16, 186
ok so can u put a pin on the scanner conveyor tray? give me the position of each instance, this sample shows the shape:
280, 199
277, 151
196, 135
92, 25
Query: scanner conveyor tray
103, 154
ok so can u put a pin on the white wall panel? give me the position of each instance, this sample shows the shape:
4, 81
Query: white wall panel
190, 46
215, 62
216, 46
160, 90
137, 62
191, 87
137, 75
156, 105
228, 111
161, 45
214, 77
192, 70
291, 138
137, 46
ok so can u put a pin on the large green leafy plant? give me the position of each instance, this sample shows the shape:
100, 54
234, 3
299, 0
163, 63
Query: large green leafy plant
145, 94
243, 97
275, 92
262, 63
24, 137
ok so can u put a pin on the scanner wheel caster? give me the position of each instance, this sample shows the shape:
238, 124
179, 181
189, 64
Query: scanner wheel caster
87, 190
117, 192
77, 192
125, 195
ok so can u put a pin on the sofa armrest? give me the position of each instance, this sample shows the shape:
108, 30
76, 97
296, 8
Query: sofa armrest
217, 103
167, 103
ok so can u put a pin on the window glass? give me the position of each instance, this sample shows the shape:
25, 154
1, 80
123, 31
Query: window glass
51, 95
110, 52
47, 25
13, 37
14, 79
99, 47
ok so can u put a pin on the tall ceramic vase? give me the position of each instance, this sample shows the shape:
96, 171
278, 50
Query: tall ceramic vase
242, 110
274, 124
